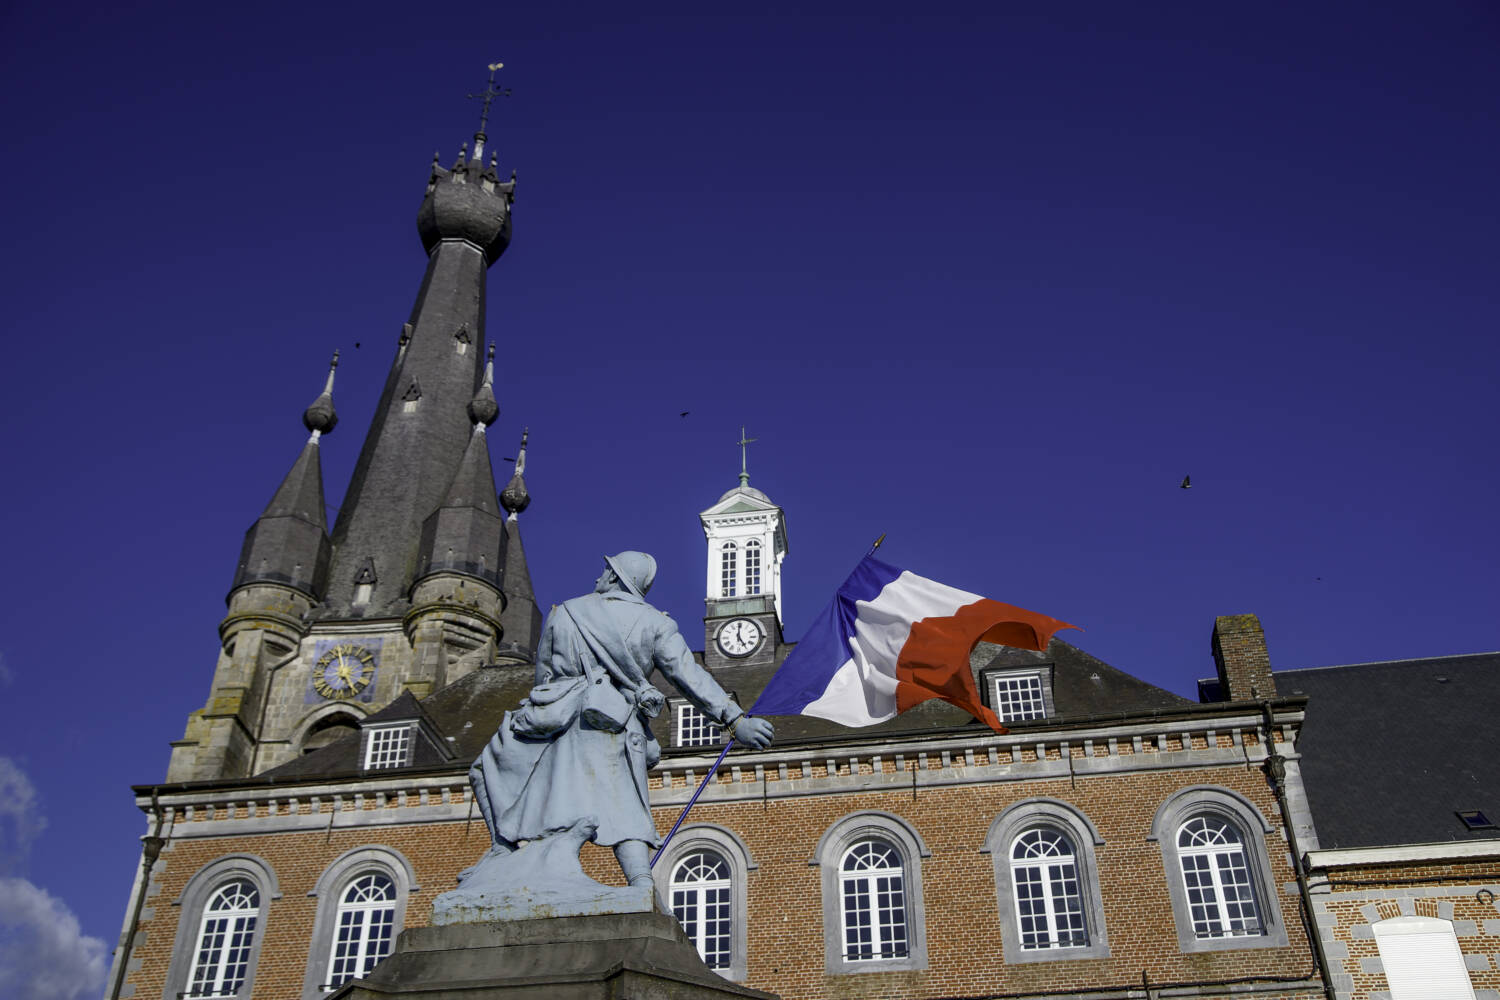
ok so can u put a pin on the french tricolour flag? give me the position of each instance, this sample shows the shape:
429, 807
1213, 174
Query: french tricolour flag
890, 640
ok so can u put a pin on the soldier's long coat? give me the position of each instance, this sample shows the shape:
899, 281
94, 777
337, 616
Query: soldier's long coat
547, 767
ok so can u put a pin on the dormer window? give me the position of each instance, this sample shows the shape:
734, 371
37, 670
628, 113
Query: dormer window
388, 746
694, 729
1017, 695
364, 582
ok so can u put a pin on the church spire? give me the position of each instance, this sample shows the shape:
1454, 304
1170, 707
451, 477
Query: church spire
288, 544
419, 442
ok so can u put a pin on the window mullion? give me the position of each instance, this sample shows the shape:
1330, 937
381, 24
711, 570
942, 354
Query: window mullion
1221, 904
1049, 904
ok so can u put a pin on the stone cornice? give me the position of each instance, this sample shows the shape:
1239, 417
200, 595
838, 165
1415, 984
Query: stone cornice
966, 758
1404, 854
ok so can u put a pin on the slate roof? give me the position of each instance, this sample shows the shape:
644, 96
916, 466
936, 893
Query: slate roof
466, 713
1390, 751
289, 542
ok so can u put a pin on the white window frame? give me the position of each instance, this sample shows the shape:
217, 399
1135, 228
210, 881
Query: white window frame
228, 926
1067, 819
703, 896
1044, 857
726, 844
866, 885
1224, 872
379, 755
832, 849
1241, 813
329, 892
197, 894
688, 719
752, 568
367, 949
728, 567
1035, 704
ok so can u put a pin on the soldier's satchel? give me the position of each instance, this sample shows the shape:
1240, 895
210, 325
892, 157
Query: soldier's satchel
604, 707
549, 708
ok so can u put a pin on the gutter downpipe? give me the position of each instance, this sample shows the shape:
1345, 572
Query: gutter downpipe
1275, 768
151, 846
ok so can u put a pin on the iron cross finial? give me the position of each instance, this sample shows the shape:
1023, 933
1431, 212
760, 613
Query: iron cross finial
488, 95
744, 472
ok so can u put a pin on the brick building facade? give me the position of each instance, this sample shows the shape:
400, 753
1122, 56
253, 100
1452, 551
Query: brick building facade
1119, 841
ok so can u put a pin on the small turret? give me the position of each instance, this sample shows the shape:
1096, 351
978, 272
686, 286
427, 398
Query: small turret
288, 544
281, 576
522, 619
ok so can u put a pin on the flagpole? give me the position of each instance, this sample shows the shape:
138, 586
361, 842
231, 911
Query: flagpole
701, 785
722, 754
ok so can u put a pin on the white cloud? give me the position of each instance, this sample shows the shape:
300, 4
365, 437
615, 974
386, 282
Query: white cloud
44, 954
21, 820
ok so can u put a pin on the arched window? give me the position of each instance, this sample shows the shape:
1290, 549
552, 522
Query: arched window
366, 927
1047, 882
1049, 897
361, 907
872, 883
706, 888
221, 926
1216, 875
225, 935
701, 885
1219, 874
873, 918
752, 567
727, 570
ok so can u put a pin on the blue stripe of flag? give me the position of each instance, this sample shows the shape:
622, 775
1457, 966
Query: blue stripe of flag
808, 669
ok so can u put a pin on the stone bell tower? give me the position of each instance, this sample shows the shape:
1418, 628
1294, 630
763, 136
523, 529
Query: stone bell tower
408, 591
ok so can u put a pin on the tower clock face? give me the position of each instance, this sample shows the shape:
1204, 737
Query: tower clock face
739, 637
344, 671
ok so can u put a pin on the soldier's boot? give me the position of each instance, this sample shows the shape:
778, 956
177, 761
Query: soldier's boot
635, 861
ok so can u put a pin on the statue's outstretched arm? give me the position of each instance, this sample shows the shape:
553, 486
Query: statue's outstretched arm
674, 659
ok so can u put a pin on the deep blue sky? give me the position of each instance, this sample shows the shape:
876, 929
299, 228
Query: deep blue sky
988, 279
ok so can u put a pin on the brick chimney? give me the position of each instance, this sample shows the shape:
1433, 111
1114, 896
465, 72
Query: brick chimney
1240, 653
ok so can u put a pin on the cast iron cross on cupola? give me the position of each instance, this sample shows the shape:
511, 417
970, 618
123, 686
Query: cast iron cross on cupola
744, 472
488, 95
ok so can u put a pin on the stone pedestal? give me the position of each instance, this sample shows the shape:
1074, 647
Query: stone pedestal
613, 956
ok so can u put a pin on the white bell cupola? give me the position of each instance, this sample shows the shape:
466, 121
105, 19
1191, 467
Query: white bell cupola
746, 535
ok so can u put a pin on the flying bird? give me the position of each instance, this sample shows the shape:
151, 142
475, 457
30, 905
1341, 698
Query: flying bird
1187, 482
356, 345
684, 413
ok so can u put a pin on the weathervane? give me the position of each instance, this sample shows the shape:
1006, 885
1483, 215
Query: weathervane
488, 94
744, 473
